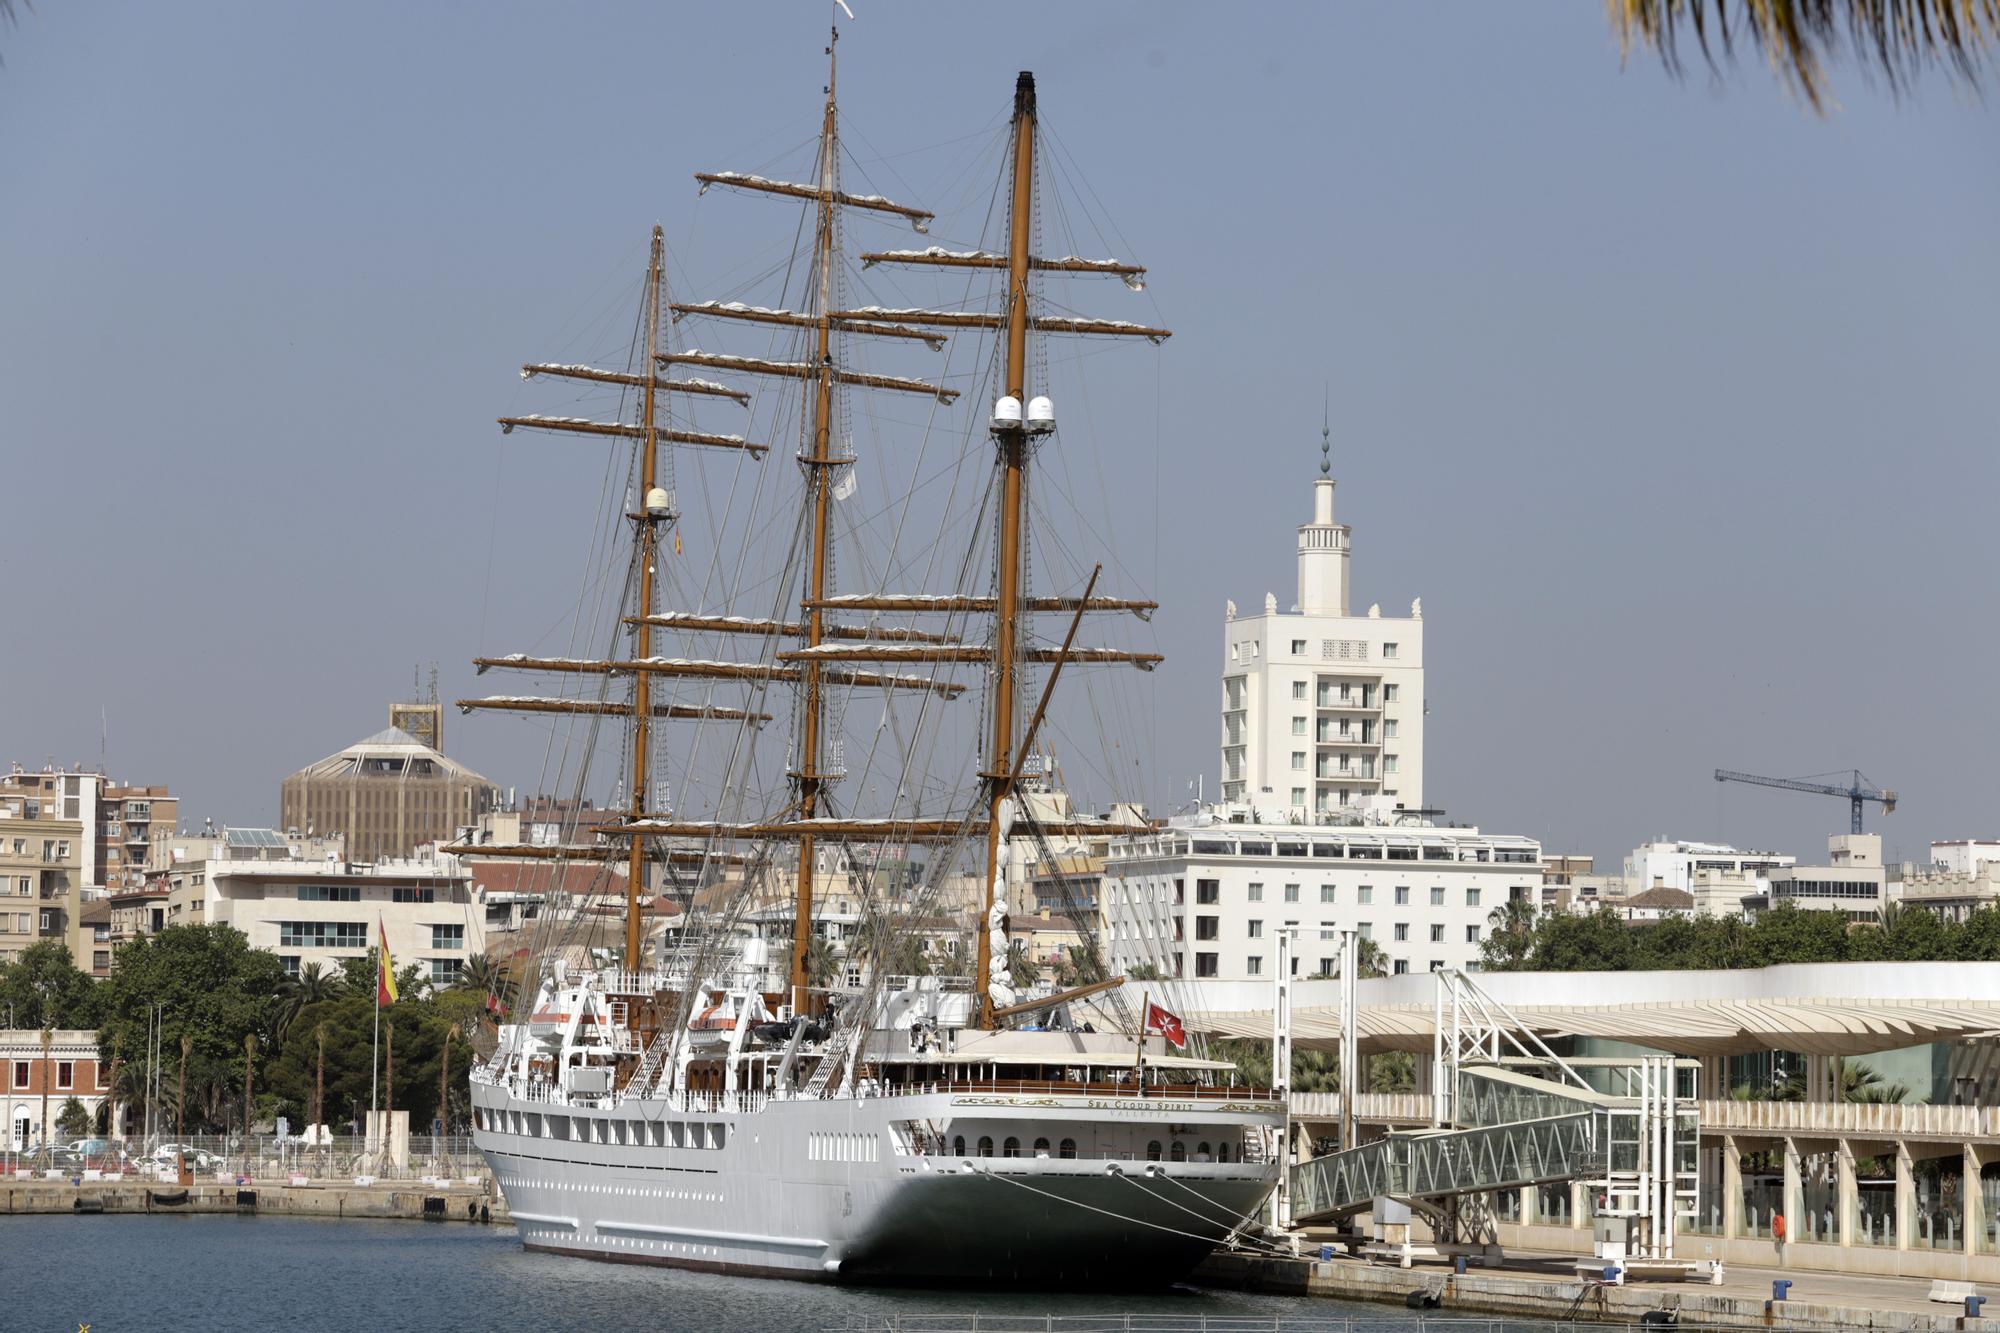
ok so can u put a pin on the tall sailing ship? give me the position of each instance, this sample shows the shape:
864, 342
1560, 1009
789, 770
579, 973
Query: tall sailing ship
688, 1100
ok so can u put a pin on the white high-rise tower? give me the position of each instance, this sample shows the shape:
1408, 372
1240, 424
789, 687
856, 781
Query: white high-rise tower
1323, 710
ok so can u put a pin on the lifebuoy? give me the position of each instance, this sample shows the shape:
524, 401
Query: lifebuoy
1777, 1226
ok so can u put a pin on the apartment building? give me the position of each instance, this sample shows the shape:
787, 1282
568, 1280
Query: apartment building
301, 899
1323, 709
44, 845
1204, 898
126, 819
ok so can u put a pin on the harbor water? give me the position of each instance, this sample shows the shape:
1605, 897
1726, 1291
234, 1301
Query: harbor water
222, 1272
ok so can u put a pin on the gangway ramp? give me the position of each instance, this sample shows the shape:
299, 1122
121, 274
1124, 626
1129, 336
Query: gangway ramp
1509, 1129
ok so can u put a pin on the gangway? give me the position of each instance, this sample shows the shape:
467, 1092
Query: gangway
1507, 1113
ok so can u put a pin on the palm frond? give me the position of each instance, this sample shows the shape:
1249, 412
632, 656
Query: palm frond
1899, 39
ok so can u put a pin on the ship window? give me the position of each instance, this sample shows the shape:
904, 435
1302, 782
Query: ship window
697, 1135
1041, 1147
1153, 1151
1202, 1153
1068, 1149
680, 1134
985, 1145
1222, 1152
658, 1132
716, 1134
958, 1145
1012, 1148
1179, 1153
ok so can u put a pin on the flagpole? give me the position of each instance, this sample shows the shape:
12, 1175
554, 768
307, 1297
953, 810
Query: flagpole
375, 1048
1139, 1058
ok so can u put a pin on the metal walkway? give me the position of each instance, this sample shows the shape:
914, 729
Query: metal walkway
1511, 1130
1501, 1119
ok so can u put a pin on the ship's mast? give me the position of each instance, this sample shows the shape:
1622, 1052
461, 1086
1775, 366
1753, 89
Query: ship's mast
818, 465
1013, 444
648, 520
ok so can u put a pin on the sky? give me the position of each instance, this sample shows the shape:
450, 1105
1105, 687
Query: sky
1673, 401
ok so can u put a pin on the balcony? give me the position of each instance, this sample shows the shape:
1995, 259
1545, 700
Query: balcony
1356, 704
1370, 742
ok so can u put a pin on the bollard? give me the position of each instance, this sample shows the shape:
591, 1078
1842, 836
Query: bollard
1780, 1289
1972, 1304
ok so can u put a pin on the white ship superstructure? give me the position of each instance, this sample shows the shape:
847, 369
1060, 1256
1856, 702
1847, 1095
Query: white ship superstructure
895, 1112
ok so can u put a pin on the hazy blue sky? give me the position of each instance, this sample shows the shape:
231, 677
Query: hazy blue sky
1674, 403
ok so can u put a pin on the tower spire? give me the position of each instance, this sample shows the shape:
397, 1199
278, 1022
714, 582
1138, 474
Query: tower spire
1326, 435
1323, 542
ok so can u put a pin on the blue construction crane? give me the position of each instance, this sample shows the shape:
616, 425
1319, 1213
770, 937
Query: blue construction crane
1857, 790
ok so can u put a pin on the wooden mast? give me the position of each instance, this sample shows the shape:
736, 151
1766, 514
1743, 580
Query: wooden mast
818, 466
1013, 443
642, 647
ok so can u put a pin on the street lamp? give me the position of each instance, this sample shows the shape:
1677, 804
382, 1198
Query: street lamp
48, 1072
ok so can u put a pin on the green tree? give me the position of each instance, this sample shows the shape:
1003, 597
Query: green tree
1510, 936
1022, 970
1144, 972
213, 989
1789, 934
313, 984
1977, 938
1859, 1083
822, 962
73, 1122
1078, 966
43, 988
1312, 1071
1393, 1071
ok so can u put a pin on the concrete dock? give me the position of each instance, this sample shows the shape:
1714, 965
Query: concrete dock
416, 1200
1546, 1287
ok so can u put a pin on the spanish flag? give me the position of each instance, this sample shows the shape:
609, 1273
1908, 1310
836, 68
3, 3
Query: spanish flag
385, 968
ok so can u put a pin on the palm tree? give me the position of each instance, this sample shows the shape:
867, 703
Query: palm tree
1859, 1083
1900, 39
319, 1076
1369, 960
451, 1034
181, 1093
111, 1126
311, 986
481, 973
249, 1056
1022, 970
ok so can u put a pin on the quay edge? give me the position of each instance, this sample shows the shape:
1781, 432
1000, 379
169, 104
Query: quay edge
408, 1200
1692, 1306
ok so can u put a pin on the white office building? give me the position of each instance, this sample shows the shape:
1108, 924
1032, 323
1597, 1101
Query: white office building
1323, 710
1683, 865
1853, 880
1206, 899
